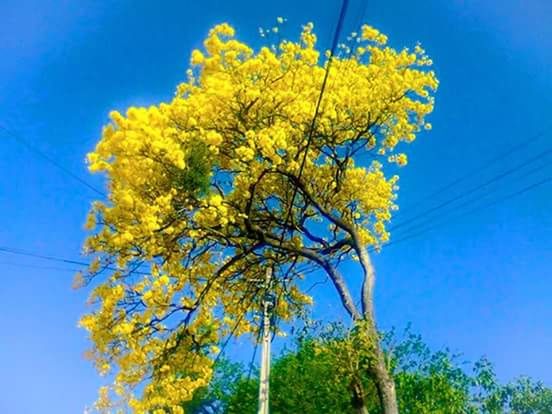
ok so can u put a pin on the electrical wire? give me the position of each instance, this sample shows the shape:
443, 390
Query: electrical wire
337, 33
478, 187
486, 205
19, 138
30, 266
476, 171
19, 252
477, 197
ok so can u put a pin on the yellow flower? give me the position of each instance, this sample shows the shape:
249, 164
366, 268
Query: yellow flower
371, 34
215, 200
197, 57
202, 179
213, 138
401, 160
245, 153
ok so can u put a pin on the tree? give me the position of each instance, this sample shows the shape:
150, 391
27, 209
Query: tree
234, 175
304, 381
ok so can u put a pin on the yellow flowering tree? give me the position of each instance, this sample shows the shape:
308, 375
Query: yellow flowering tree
208, 190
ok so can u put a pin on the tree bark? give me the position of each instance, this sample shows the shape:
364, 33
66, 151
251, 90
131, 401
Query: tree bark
382, 378
358, 400
384, 383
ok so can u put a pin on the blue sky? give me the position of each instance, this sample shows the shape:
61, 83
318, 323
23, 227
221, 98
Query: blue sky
480, 284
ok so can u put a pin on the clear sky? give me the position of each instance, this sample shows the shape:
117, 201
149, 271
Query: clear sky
480, 284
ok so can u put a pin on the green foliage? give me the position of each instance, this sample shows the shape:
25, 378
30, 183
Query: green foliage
196, 175
301, 382
428, 382
526, 396
309, 378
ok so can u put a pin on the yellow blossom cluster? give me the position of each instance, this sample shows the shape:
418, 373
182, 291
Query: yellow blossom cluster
200, 186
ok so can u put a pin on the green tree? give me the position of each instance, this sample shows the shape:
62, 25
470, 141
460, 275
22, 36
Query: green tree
309, 378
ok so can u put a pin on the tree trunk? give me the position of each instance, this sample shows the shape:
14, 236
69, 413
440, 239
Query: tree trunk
382, 378
377, 370
384, 384
358, 400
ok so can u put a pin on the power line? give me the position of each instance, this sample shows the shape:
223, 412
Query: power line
478, 187
485, 166
337, 33
486, 205
19, 138
473, 200
38, 267
19, 252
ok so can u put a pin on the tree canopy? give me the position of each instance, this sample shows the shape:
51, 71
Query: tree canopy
304, 380
234, 175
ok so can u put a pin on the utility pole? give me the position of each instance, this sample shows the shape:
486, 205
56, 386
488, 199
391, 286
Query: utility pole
268, 304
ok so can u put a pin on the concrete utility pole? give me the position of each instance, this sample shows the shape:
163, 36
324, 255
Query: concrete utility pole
268, 304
